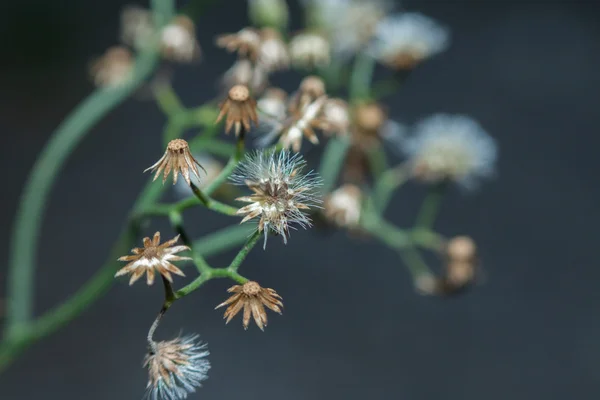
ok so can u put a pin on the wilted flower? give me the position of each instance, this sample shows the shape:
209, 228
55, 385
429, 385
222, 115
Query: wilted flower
212, 167
137, 27
272, 13
349, 24
451, 147
404, 40
273, 103
247, 73
282, 193
309, 50
176, 368
153, 256
253, 299
113, 68
343, 206
246, 42
178, 159
273, 54
240, 109
178, 40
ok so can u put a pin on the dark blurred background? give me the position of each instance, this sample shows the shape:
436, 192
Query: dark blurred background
353, 326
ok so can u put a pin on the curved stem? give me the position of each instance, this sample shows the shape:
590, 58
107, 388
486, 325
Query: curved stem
387, 183
360, 80
243, 253
332, 161
29, 216
430, 207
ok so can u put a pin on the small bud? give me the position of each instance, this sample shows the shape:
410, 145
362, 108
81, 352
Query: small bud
272, 13
461, 249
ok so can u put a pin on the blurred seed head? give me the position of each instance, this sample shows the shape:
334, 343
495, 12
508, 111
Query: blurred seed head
282, 193
176, 368
273, 53
245, 72
245, 42
451, 147
273, 103
309, 50
112, 69
178, 40
137, 27
253, 299
335, 117
343, 206
177, 159
404, 40
153, 256
240, 109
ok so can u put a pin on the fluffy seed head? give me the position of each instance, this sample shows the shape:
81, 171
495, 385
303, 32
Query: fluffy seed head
343, 206
273, 103
178, 40
404, 40
246, 42
176, 368
281, 192
335, 117
451, 147
253, 299
273, 54
244, 72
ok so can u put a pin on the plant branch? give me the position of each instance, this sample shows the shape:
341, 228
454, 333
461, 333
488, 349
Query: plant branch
430, 207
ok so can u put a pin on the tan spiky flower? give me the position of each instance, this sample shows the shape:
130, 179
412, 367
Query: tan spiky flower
240, 109
246, 42
253, 299
179, 159
153, 257
113, 68
176, 367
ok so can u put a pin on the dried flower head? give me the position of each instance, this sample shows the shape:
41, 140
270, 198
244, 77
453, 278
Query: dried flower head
240, 109
178, 40
461, 249
246, 42
273, 103
178, 159
309, 50
343, 206
113, 68
176, 368
253, 299
404, 40
137, 27
282, 193
273, 54
311, 88
451, 147
153, 256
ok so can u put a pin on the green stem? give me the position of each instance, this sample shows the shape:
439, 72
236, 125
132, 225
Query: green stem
208, 202
415, 264
332, 162
243, 253
360, 80
222, 240
177, 222
22, 258
387, 183
430, 207
167, 100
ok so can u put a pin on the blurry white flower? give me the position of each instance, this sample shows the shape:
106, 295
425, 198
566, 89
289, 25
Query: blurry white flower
178, 40
176, 368
272, 13
311, 88
273, 103
246, 73
309, 50
212, 169
404, 40
113, 68
335, 117
137, 27
343, 206
349, 24
282, 192
451, 147
273, 53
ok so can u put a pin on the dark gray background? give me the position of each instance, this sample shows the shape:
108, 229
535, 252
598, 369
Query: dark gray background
353, 328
